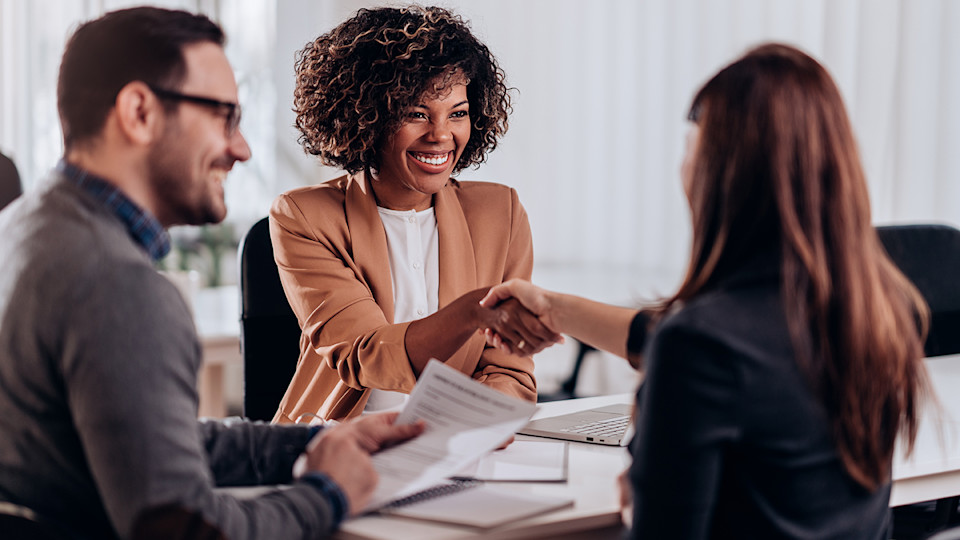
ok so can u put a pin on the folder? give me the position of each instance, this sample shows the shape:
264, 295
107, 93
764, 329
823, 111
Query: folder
522, 461
474, 505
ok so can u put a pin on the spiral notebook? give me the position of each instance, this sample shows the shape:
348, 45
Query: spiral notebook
472, 504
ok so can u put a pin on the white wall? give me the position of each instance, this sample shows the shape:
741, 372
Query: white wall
603, 89
602, 92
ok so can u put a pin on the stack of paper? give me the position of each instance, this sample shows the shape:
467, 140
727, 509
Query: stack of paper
464, 422
480, 507
522, 461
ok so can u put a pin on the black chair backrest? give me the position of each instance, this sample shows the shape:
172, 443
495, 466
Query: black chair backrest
929, 255
269, 331
10, 187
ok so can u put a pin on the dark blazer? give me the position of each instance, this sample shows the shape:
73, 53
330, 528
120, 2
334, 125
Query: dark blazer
731, 441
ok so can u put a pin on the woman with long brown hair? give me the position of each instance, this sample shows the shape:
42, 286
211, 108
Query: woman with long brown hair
781, 373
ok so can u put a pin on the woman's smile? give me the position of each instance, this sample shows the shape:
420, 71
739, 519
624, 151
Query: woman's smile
432, 162
417, 160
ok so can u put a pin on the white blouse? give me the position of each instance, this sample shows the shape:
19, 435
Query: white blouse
414, 249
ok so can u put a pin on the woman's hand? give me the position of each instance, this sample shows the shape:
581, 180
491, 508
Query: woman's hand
600, 325
514, 329
532, 297
626, 498
441, 334
532, 301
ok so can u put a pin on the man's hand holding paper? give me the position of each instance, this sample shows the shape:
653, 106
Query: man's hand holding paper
464, 420
344, 454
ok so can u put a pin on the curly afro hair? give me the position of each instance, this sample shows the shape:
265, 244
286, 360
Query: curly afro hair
355, 83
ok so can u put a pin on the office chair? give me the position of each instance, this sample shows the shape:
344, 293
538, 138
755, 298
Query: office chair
929, 255
269, 331
10, 187
568, 388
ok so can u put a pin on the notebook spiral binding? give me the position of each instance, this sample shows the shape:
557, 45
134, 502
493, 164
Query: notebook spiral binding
454, 486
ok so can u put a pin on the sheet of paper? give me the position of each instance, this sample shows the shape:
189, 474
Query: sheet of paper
522, 461
464, 420
482, 507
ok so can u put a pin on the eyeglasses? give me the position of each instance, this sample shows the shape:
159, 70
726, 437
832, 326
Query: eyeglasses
232, 109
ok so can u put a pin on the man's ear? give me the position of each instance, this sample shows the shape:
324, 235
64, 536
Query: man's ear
139, 112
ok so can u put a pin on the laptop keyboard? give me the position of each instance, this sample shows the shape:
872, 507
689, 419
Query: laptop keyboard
601, 428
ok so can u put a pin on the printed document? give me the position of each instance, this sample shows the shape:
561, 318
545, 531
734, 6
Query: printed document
464, 421
522, 461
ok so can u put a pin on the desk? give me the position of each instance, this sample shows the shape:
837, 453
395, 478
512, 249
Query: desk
592, 476
217, 316
932, 472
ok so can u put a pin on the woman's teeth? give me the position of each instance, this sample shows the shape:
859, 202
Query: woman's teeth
431, 159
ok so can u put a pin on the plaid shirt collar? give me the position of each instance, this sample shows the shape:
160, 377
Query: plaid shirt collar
143, 227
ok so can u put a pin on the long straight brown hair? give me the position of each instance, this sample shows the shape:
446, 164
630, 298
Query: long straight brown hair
777, 167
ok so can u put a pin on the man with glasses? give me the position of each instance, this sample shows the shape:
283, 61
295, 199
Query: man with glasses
98, 352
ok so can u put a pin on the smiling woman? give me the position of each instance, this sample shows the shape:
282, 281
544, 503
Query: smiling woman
386, 265
418, 159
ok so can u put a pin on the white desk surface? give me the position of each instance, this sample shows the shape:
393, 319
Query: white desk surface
592, 476
932, 472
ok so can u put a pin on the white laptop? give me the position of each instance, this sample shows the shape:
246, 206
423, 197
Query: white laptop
609, 425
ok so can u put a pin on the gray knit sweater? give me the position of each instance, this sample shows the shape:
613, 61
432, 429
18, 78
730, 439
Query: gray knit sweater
98, 399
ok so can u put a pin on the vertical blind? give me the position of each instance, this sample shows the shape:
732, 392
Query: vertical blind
602, 88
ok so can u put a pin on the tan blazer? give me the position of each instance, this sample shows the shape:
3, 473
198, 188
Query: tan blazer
331, 250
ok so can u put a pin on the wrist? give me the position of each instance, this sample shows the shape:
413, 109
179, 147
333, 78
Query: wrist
558, 311
476, 315
339, 505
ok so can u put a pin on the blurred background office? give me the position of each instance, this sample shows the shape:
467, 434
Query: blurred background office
597, 131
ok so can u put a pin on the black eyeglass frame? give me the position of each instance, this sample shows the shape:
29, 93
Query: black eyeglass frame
234, 111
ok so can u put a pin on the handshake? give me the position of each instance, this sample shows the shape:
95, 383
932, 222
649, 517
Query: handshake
528, 319
521, 318
516, 317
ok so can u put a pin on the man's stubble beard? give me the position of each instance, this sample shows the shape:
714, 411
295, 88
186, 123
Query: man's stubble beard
181, 199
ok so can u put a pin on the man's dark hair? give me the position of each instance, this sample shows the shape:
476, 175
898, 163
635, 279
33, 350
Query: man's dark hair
104, 55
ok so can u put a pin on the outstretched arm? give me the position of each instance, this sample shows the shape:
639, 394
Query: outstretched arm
441, 334
600, 325
333, 297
